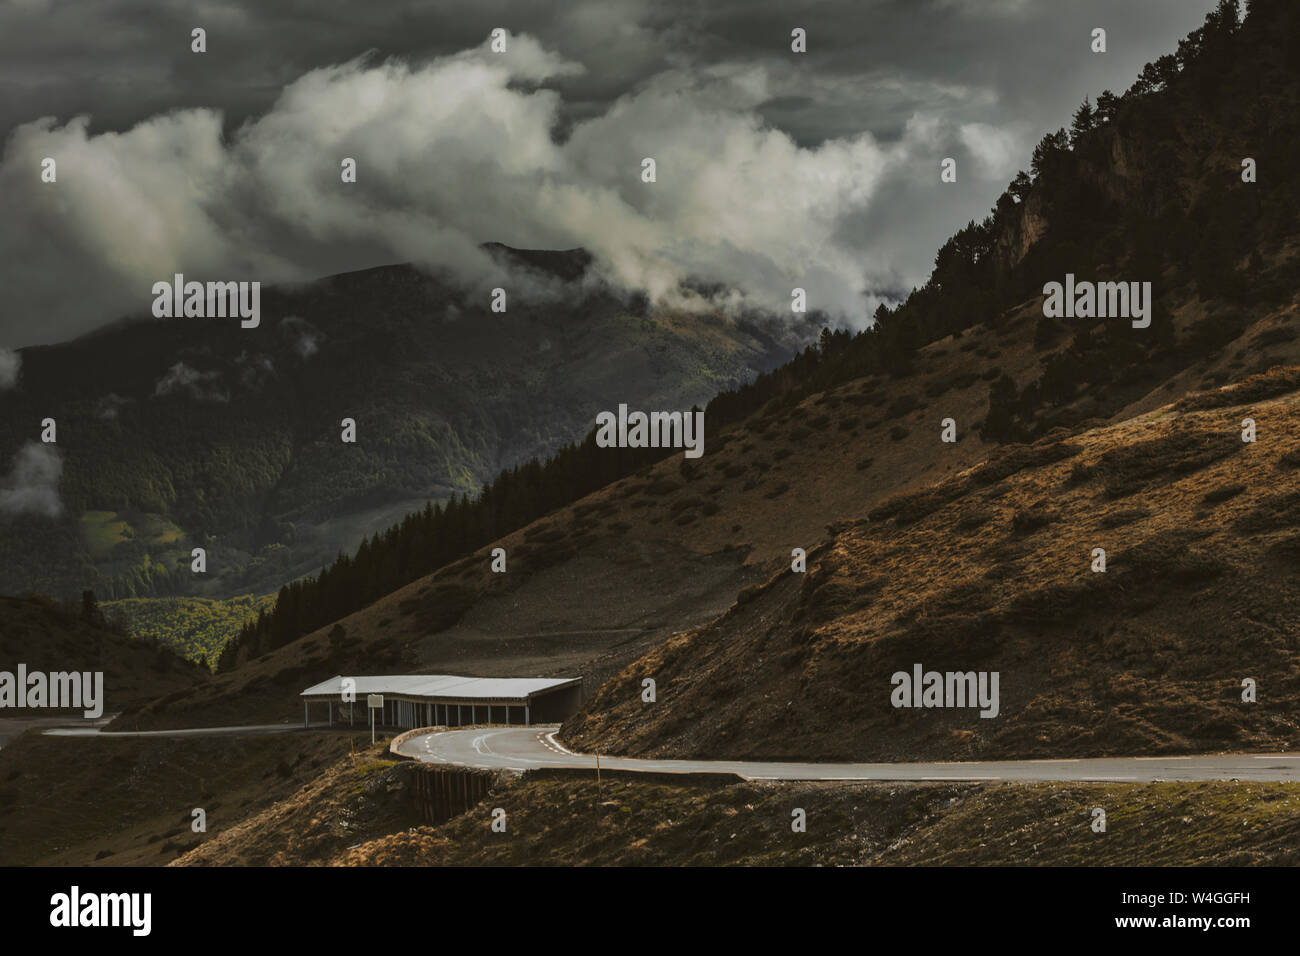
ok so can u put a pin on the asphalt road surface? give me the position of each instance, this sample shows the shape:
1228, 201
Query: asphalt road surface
179, 732
11, 727
530, 748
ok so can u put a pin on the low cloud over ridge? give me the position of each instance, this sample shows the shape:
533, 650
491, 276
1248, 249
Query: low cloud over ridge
775, 169
450, 154
32, 485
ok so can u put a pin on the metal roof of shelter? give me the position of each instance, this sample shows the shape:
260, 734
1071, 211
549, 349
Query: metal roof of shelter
444, 686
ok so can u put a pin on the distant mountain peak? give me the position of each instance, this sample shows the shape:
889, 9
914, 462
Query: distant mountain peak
568, 265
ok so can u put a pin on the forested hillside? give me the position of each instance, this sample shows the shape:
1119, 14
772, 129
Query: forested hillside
1125, 558
198, 629
50, 636
179, 433
1144, 186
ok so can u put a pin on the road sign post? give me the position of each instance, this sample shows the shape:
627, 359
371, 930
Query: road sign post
374, 702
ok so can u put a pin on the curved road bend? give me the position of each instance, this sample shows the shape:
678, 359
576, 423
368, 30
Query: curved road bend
531, 748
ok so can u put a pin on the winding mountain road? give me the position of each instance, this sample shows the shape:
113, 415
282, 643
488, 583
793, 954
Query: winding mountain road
532, 748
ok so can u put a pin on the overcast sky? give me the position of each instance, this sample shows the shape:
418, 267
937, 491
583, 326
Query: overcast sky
775, 169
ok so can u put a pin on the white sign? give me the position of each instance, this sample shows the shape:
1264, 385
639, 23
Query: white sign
375, 701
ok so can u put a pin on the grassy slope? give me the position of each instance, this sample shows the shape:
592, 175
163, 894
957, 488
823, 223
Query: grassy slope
596, 585
990, 570
555, 820
47, 637
128, 802
352, 801
591, 587
311, 799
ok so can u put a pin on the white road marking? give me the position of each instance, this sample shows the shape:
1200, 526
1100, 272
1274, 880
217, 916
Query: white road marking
559, 746
549, 745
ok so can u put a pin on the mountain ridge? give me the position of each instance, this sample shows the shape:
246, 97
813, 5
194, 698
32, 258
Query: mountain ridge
185, 432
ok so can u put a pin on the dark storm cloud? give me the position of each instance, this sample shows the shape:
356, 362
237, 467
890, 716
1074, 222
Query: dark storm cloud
777, 169
124, 60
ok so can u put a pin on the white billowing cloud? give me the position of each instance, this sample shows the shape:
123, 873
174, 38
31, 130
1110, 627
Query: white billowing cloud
32, 485
126, 210
450, 154
11, 364
304, 337
734, 201
201, 386
998, 151
110, 406
254, 369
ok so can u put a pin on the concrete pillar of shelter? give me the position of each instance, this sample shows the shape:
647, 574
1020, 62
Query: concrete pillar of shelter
527, 721
304, 715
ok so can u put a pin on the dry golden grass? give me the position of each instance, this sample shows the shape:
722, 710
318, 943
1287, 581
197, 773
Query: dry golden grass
991, 570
